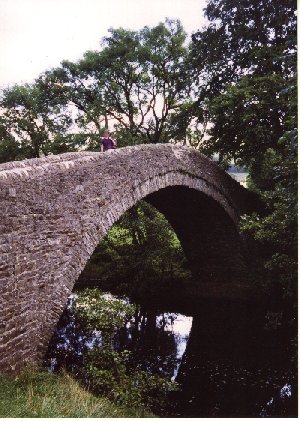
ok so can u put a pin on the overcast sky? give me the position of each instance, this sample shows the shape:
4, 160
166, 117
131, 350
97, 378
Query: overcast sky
36, 35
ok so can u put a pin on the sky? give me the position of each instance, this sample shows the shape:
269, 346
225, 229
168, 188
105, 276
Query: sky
36, 35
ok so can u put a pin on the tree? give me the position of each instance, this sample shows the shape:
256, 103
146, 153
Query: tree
248, 119
10, 149
245, 38
246, 64
28, 124
276, 232
244, 61
69, 89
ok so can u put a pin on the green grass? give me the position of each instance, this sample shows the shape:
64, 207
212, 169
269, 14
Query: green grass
42, 394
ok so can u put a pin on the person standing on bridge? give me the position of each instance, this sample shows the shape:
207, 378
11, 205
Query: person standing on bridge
107, 142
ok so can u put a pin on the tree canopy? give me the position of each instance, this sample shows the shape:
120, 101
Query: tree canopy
137, 80
245, 62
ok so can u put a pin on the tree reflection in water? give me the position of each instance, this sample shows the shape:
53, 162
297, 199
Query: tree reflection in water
157, 342
234, 367
227, 366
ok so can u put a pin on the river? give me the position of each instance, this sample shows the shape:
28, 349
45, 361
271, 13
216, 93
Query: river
229, 360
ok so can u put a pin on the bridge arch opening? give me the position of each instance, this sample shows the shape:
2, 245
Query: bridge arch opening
205, 229
207, 235
140, 257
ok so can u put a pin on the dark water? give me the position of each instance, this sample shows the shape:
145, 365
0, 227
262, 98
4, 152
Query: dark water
229, 360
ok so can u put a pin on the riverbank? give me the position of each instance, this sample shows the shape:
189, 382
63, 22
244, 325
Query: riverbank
41, 394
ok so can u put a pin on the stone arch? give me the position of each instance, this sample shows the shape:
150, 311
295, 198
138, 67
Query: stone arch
57, 209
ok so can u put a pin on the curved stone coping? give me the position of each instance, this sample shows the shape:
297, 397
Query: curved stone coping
145, 158
36, 167
36, 162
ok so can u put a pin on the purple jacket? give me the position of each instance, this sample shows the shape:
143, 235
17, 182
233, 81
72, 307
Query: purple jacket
107, 143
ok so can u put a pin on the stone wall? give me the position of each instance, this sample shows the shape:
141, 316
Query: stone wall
55, 210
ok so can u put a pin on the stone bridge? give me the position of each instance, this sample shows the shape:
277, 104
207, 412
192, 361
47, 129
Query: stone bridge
55, 210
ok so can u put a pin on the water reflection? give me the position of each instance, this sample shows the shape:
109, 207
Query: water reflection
157, 341
227, 364
233, 367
